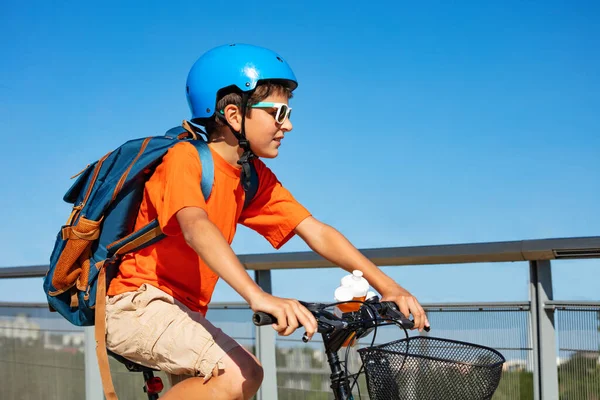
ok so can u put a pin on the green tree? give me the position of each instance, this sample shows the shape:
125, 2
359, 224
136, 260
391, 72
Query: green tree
515, 385
579, 378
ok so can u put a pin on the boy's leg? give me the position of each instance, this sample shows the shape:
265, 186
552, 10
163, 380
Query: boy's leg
151, 328
175, 379
230, 364
239, 379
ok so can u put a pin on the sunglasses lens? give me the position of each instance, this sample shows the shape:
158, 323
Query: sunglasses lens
282, 114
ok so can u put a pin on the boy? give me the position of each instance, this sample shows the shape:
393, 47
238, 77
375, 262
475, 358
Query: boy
157, 302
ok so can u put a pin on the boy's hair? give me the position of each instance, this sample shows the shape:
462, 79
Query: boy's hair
233, 96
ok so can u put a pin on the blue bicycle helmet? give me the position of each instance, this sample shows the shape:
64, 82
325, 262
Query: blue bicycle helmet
239, 65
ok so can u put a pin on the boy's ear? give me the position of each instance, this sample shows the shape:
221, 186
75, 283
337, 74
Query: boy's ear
233, 115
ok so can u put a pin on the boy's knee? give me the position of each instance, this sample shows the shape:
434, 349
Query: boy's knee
249, 377
252, 376
255, 373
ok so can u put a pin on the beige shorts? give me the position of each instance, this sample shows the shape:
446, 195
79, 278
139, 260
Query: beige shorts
151, 328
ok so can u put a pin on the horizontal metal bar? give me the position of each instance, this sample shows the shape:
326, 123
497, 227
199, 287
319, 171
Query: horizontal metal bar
244, 306
481, 306
231, 306
34, 271
217, 306
572, 305
521, 250
10, 304
578, 350
539, 249
586, 303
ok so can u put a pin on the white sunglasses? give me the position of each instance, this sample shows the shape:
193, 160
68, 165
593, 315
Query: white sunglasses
283, 110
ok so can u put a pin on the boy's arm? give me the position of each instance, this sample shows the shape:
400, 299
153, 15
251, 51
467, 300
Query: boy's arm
208, 241
333, 246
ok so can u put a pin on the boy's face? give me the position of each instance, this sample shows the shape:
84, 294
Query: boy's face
263, 131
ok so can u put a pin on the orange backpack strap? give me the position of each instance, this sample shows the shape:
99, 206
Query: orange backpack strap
100, 333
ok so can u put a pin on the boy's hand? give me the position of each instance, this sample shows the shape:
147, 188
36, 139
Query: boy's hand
290, 314
407, 303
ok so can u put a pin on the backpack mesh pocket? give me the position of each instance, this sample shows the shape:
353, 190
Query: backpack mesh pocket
72, 268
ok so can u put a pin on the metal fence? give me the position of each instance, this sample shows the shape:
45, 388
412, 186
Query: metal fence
578, 350
42, 355
302, 372
551, 347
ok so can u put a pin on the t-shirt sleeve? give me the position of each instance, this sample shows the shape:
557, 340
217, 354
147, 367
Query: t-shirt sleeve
175, 185
273, 213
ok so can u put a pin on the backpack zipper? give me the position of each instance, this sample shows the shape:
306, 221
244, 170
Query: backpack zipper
126, 173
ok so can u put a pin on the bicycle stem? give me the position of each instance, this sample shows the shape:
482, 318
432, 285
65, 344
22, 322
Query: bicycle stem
339, 382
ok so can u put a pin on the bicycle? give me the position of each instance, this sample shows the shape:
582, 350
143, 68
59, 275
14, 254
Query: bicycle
439, 369
418, 367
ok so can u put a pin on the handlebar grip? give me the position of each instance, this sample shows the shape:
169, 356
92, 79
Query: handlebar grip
262, 318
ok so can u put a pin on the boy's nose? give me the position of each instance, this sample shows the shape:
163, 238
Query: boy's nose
287, 125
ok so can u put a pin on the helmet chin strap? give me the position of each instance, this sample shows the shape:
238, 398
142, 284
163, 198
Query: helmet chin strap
247, 155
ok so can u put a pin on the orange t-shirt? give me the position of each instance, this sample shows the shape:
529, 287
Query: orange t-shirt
173, 266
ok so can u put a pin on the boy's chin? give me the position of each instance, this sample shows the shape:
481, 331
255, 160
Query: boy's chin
271, 153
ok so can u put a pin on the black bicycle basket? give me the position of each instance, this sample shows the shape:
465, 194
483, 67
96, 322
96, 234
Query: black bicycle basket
427, 368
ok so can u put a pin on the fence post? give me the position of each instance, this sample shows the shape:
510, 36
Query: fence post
93, 383
265, 347
545, 375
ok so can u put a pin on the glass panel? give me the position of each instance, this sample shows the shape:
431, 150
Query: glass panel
41, 355
578, 337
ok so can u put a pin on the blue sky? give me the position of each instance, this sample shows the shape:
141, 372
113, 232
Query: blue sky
443, 122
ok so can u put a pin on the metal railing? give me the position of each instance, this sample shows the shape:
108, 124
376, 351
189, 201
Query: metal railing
524, 331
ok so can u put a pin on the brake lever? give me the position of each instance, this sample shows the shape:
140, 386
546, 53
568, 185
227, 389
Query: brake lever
326, 323
391, 309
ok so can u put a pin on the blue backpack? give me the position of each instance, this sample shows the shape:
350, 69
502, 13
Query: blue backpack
106, 197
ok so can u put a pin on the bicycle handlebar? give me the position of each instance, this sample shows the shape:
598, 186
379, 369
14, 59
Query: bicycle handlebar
364, 318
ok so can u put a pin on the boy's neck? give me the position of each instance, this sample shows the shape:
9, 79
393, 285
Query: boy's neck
231, 152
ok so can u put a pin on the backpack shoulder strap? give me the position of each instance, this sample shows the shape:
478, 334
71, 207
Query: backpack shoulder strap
100, 335
208, 168
208, 171
251, 193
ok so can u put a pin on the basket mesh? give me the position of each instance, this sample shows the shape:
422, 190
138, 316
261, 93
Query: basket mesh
432, 368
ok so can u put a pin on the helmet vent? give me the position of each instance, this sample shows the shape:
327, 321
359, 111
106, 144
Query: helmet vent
279, 58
